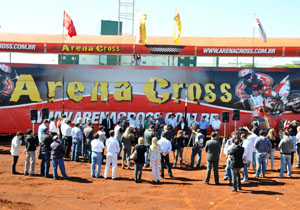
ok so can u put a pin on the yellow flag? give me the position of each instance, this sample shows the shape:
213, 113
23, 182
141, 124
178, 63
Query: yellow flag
177, 28
142, 29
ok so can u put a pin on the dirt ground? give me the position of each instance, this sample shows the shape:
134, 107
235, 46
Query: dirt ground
184, 191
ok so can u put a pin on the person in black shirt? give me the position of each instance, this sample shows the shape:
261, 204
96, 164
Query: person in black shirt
140, 161
31, 142
179, 146
46, 141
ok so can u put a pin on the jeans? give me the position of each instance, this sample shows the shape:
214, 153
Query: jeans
298, 156
30, 160
193, 158
146, 156
76, 144
228, 170
236, 176
45, 164
292, 157
254, 160
272, 159
245, 171
261, 163
88, 153
111, 159
15, 161
96, 159
83, 148
179, 151
285, 160
212, 165
61, 164
165, 160
138, 170
126, 154
155, 169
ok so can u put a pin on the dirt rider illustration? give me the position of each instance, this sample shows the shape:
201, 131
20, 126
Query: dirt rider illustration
6, 81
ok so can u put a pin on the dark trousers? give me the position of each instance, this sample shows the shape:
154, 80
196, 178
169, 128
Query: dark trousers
68, 145
15, 161
292, 157
212, 165
165, 160
236, 176
204, 132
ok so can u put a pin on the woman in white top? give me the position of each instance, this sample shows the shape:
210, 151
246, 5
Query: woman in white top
15, 150
155, 156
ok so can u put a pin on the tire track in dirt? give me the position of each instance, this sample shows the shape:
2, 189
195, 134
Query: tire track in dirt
223, 200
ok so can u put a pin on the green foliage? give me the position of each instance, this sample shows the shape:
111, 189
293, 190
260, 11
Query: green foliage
287, 66
248, 66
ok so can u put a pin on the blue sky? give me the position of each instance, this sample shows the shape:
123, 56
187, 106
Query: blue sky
203, 18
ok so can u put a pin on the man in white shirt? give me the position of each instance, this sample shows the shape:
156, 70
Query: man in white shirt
112, 147
118, 136
66, 131
132, 122
15, 150
216, 123
166, 148
247, 156
52, 127
41, 129
97, 147
77, 138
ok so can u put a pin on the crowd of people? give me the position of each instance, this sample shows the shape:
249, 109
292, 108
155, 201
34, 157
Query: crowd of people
153, 141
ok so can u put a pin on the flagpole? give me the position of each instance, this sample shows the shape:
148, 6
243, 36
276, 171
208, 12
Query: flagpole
253, 42
62, 62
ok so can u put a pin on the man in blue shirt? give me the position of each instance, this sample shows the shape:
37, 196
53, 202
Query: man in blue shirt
203, 125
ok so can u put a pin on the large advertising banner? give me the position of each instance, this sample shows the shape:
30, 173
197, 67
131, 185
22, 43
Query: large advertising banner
94, 91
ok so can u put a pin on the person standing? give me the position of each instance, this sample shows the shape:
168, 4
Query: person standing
263, 147
285, 146
41, 129
160, 123
197, 149
15, 150
76, 142
66, 130
140, 161
179, 146
52, 126
112, 147
166, 148
155, 156
228, 145
248, 150
107, 124
298, 146
118, 136
89, 136
172, 123
58, 152
274, 141
148, 122
203, 126
280, 127
212, 149
216, 123
252, 138
46, 152
31, 143
236, 163
140, 126
127, 140
97, 147
148, 136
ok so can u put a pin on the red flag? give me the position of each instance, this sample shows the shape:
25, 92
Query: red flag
68, 24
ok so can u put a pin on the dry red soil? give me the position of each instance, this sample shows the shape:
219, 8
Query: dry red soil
184, 191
